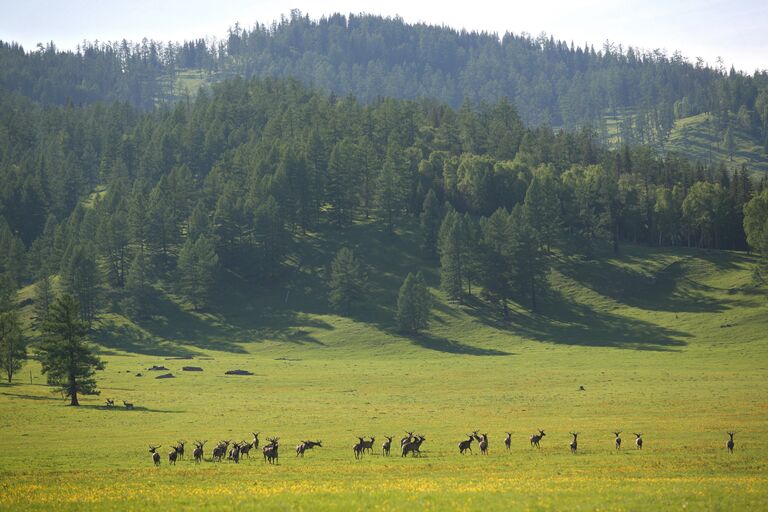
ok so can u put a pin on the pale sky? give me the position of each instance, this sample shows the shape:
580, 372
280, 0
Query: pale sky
736, 30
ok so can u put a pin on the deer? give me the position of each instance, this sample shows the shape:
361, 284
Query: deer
476, 436
386, 446
508, 441
574, 444
729, 444
270, 450
155, 455
618, 440
198, 452
234, 453
172, 455
245, 448
536, 438
357, 448
484, 444
255, 441
219, 451
638, 440
110, 402
127, 405
180, 449
407, 439
368, 445
466, 444
413, 447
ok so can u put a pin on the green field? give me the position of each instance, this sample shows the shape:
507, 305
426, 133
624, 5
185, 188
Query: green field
644, 333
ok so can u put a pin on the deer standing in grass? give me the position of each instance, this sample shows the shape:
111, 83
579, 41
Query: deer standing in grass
198, 452
508, 441
270, 450
729, 444
574, 444
618, 440
484, 444
180, 449
386, 446
466, 444
368, 445
155, 455
536, 438
357, 448
639, 441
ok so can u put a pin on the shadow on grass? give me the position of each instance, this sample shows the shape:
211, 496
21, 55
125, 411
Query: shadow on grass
33, 397
441, 344
123, 410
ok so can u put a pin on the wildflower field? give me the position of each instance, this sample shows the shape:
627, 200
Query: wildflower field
661, 366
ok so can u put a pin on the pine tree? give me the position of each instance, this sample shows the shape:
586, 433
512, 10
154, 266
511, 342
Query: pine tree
528, 261
542, 206
451, 255
497, 270
430, 224
347, 281
413, 304
13, 349
44, 297
137, 285
198, 263
67, 360
199, 222
81, 278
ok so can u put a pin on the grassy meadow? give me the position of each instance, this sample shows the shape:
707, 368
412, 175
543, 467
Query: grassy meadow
644, 333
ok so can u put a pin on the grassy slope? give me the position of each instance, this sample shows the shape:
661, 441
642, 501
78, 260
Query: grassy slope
641, 332
697, 138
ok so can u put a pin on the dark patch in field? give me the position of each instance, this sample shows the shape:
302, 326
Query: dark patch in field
454, 347
238, 372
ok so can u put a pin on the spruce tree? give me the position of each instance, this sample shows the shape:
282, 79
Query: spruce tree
430, 224
44, 297
67, 360
347, 281
542, 206
13, 349
197, 267
137, 285
81, 278
413, 304
451, 255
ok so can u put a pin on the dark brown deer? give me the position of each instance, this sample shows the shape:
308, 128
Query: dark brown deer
110, 402
198, 452
245, 449
172, 455
127, 405
307, 445
476, 436
180, 449
413, 447
484, 444
618, 440
155, 455
508, 441
270, 450
406, 439
368, 445
574, 444
730, 445
357, 448
386, 446
255, 441
234, 453
219, 451
466, 444
536, 438
639, 441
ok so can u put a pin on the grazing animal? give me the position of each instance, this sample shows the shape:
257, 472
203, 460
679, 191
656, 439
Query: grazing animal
508, 441
245, 448
270, 450
639, 441
234, 453
729, 445
180, 449
368, 445
618, 440
574, 444
155, 455
198, 452
127, 405
536, 438
484, 444
357, 448
219, 451
110, 402
386, 446
413, 447
255, 441
307, 445
407, 439
466, 444
172, 455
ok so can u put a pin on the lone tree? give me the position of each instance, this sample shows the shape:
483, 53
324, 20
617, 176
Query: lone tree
413, 304
68, 361
347, 281
13, 350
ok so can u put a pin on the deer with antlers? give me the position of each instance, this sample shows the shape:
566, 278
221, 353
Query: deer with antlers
386, 446
155, 455
618, 440
638, 440
270, 450
198, 451
536, 438
508, 441
730, 444
574, 444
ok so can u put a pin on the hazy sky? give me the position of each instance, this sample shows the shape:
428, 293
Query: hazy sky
736, 30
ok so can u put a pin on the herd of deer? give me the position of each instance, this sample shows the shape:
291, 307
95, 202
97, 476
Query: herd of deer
409, 445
